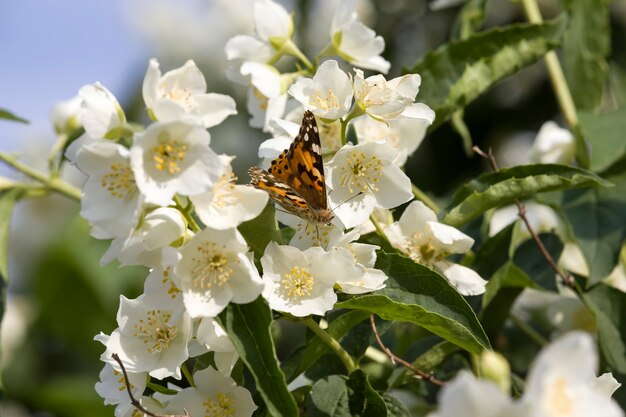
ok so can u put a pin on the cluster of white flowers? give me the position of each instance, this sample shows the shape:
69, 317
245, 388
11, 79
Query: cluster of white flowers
167, 201
562, 381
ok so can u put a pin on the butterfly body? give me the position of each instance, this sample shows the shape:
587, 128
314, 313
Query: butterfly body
295, 180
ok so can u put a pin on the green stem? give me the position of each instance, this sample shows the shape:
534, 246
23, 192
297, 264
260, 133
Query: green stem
378, 227
563, 95
356, 111
54, 184
53, 159
421, 195
186, 212
291, 48
187, 374
529, 331
332, 344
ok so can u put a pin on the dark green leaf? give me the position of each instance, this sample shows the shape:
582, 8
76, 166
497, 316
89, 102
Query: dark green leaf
304, 357
494, 252
502, 290
608, 306
532, 262
338, 396
508, 276
419, 295
329, 398
7, 115
395, 408
598, 221
261, 230
248, 326
605, 134
432, 358
586, 45
364, 400
504, 186
460, 71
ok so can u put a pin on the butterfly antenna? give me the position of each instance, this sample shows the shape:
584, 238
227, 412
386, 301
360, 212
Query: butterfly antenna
344, 202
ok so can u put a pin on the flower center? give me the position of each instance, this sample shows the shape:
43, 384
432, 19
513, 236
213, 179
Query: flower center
263, 101
173, 290
181, 96
122, 382
155, 331
168, 154
297, 283
223, 192
221, 406
318, 233
211, 266
361, 173
559, 402
119, 181
325, 101
423, 250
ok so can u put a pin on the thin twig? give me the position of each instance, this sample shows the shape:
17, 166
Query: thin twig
133, 400
394, 358
567, 280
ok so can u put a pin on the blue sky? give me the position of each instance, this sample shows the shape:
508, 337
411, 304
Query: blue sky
50, 48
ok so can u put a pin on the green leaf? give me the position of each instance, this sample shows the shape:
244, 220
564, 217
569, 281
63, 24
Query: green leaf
460, 71
508, 276
433, 357
605, 134
494, 252
598, 222
248, 326
608, 306
503, 288
7, 115
261, 230
419, 295
471, 17
304, 357
506, 185
586, 45
339, 396
395, 408
532, 262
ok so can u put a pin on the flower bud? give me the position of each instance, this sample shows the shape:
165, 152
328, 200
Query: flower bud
495, 368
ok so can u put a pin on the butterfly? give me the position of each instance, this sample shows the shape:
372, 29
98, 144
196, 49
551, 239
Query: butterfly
295, 179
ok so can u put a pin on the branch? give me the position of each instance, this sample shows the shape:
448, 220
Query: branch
133, 400
567, 280
419, 374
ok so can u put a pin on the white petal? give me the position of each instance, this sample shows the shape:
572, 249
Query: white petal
271, 20
450, 239
213, 108
464, 279
151, 83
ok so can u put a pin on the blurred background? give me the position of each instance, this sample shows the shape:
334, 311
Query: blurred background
59, 298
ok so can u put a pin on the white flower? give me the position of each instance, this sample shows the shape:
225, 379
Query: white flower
284, 133
385, 99
272, 22
267, 95
149, 403
428, 242
215, 339
100, 113
404, 133
328, 94
161, 281
112, 385
173, 158
227, 204
215, 269
553, 145
470, 397
562, 380
245, 48
181, 94
364, 255
152, 336
111, 201
309, 234
355, 42
64, 115
363, 177
143, 246
301, 282
214, 395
